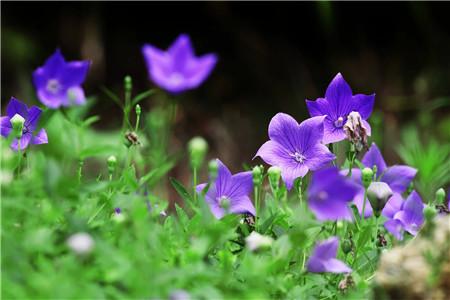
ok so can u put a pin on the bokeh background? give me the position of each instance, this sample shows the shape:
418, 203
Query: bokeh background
272, 57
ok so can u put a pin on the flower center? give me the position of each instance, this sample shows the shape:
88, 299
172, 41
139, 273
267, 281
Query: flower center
224, 202
322, 196
300, 158
176, 78
53, 86
339, 122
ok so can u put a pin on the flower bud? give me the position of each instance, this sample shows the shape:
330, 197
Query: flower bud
440, 196
274, 174
378, 194
257, 241
112, 162
17, 122
367, 176
138, 109
355, 131
128, 83
257, 173
213, 168
197, 147
346, 246
81, 243
429, 212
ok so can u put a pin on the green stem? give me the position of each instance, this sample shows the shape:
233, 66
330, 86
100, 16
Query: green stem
96, 213
80, 170
19, 151
194, 175
364, 205
256, 194
300, 191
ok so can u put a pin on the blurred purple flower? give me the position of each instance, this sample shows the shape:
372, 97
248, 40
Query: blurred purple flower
329, 195
229, 193
408, 217
338, 103
398, 177
178, 69
58, 83
324, 259
31, 117
295, 148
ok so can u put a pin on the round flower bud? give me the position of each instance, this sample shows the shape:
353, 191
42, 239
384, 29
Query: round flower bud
112, 162
346, 246
138, 109
213, 168
367, 176
128, 83
257, 173
378, 194
440, 196
274, 174
17, 122
429, 212
197, 147
257, 241
81, 243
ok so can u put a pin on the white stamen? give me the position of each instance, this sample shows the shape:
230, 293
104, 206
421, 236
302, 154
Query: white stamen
53, 86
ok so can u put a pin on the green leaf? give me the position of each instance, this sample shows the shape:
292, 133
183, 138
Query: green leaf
89, 121
96, 150
181, 190
182, 216
142, 96
112, 96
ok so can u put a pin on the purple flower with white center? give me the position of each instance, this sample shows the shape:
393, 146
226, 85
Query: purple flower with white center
409, 216
178, 69
398, 177
58, 83
229, 193
31, 116
324, 259
338, 103
329, 195
295, 148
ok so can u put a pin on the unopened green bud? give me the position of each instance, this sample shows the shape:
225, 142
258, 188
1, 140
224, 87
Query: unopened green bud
378, 194
346, 246
213, 168
17, 122
375, 170
440, 196
274, 174
112, 162
138, 110
197, 147
367, 176
128, 83
257, 173
119, 218
429, 212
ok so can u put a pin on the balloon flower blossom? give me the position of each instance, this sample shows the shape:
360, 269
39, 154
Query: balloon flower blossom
27, 119
58, 83
324, 259
178, 69
229, 193
295, 148
338, 103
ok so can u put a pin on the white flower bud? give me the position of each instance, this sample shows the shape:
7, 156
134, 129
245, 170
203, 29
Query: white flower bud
81, 243
256, 241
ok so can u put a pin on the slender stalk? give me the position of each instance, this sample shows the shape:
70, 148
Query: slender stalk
300, 191
364, 205
80, 170
19, 151
256, 194
194, 179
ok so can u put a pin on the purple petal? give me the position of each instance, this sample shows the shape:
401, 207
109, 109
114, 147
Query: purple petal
331, 133
393, 206
310, 133
334, 265
315, 265
320, 107
364, 104
395, 227
197, 70
223, 179
40, 138
356, 175
291, 172
339, 96
75, 95
326, 249
284, 129
54, 65
274, 154
359, 202
40, 78
24, 141
181, 51
372, 158
367, 126
199, 188
215, 208
411, 214
318, 157
75, 73
34, 113
16, 107
241, 185
242, 205
399, 177
50, 100
5, 126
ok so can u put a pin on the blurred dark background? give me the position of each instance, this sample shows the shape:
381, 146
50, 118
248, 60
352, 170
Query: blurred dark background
272, 56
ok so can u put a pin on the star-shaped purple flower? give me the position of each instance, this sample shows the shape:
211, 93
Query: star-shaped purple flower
398, 177
338, 103
229, 193
178, 69
404, 215
329, 195
295, 148
58, 83
31, 117
324, 259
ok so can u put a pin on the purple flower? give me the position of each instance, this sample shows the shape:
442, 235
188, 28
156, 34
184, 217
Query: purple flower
329, 195
398, 177
404, 216
58, 83
229, 193
178, 69
324, 259
338, 103
31, 117
295, 148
